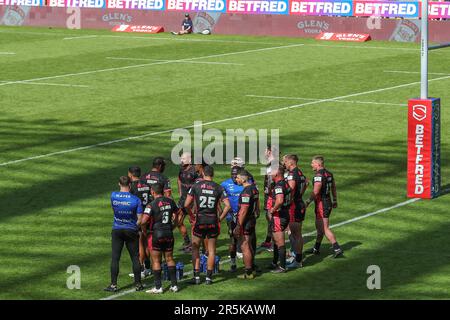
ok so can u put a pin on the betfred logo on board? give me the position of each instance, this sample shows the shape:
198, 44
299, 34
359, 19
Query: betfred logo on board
419, 112
423, 148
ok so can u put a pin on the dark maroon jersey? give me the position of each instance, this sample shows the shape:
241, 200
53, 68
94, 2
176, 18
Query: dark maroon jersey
207, 196
187, 177
161, 211
326, 178
140, 190
281, 187
153, 177
300, 181
249, 197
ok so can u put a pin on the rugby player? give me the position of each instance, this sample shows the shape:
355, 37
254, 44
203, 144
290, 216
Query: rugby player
324, 187
233, 190
155, 175
206, 196
127, 210
246, 221
162, 215
142, 191
270, 153
199, 169
186, 178
298, 184
279, 217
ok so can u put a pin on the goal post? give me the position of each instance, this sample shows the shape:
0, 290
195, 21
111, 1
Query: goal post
424, 129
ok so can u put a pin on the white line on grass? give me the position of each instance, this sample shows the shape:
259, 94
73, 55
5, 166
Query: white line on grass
81, 37
186, 39
416, 72
48, 84
153, 63
7, 53
398, 205
213, 122
363, 47
176, 61
313, 99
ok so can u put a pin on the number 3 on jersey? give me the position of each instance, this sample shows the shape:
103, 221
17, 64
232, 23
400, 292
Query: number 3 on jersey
165, 218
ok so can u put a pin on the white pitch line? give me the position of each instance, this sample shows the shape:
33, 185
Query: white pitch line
337, 225
146, 37
48, 84
363, 47
313, 99
416, 72
176, 61
213, 122
153, 63
81, 37
7, 53
185, 39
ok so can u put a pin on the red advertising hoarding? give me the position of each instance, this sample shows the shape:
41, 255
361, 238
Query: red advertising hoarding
352, 37
423, 148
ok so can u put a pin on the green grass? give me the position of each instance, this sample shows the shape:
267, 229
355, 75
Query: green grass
55, 210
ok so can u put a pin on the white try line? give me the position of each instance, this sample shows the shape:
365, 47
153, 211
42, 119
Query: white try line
148, 37
47, 84
313, 99
187, 39
81, 37
213, 122
7, 53
363, 47
153, 63
337, 225
175, 61
416, 72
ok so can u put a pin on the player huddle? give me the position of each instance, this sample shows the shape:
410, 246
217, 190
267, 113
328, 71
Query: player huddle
145, 216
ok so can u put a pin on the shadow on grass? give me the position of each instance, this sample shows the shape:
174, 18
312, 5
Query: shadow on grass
64, 189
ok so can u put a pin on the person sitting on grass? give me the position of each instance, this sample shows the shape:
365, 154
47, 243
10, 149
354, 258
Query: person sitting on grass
186, 26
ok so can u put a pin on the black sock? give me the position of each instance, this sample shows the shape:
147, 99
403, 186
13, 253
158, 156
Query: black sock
233, 257
268, 238
173, 275
186, 239
147, 263
157, 275
336, 246
249, 271
275, 254
209, 274
282, 253
298, 257
317, 246
196, 273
